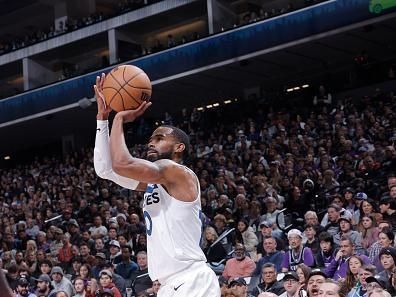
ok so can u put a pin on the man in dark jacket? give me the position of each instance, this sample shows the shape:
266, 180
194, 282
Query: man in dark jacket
140, 280
268, 282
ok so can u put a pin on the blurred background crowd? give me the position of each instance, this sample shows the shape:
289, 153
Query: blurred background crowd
284, 190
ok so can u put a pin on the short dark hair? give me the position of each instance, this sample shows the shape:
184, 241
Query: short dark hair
46, 261
182, 137
269, 265
347, 238
389, 233
125, 246
325, 236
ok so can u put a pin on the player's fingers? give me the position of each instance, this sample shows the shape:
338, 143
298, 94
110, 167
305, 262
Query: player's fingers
96, 91
147, 105
102, 79
143, 107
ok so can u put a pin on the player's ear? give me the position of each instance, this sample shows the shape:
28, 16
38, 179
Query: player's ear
179, 147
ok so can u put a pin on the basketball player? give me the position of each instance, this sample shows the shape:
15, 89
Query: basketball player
172, 206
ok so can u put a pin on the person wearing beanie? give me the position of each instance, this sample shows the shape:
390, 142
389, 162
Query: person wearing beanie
387, 257
60, 282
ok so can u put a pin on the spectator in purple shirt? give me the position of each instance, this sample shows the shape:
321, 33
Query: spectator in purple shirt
338, 266
297, 254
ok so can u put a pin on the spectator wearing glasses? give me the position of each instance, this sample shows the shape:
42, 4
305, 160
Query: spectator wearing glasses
268, 281
297, 254
291, 285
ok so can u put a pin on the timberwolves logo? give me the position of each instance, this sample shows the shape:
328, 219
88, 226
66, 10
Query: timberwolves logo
151, 195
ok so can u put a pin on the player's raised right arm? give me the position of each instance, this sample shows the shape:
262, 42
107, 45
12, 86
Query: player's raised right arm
102, 159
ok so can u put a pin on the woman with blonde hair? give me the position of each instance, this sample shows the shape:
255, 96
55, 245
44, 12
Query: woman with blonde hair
214, 254
31, 246
31, 261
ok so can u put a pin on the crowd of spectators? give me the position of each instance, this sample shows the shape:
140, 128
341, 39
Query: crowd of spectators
66, 232
70, 25
262, 12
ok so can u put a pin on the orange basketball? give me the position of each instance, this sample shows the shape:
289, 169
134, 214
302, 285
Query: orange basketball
126, 87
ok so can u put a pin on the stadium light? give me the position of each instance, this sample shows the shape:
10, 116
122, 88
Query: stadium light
227, 101
289, 90
296, 88
209, 106
305, 86
7, 158
216, 104
200, 108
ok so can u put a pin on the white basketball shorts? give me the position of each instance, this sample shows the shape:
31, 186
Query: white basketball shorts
197, 281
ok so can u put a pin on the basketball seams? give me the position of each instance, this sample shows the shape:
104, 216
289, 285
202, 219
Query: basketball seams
116, 92
122, 88
122, 100
127, 82
136, 74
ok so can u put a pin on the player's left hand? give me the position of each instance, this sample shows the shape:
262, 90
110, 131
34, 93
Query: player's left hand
128, 116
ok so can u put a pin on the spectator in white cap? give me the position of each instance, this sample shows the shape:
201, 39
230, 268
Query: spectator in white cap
115, 252
298, 253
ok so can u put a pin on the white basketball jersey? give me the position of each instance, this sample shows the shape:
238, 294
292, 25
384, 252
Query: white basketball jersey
173, 232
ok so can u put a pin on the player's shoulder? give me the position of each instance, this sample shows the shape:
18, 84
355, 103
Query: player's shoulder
174, 168
170, 164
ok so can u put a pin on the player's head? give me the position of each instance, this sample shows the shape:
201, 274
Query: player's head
168, 142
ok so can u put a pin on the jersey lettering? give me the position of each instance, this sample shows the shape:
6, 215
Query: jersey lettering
152, 198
